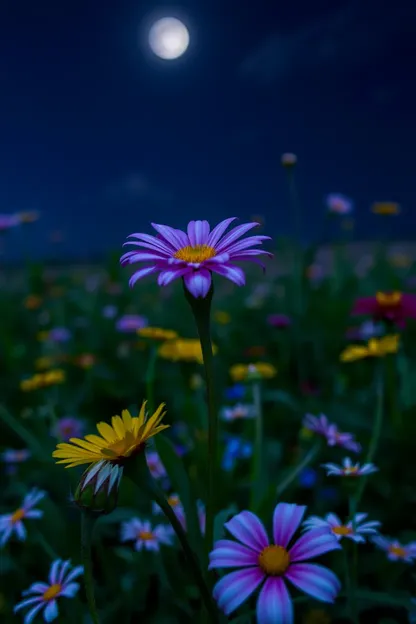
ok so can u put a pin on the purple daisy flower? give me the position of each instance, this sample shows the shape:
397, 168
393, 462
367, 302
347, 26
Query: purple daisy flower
194, 255
274, 563
68, 427
130, 323
321, 426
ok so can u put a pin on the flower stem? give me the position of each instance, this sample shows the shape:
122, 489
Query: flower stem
201, 309
377, 427
309, 457
138, 472
348, 589
87, 527
257, 473
150, 379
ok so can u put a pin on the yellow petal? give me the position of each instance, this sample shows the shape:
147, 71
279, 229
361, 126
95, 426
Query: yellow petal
106, 431
85, 445
156, 431
127, 419
94, 439
118, 427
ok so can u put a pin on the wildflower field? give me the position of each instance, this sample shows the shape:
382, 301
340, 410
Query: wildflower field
210, 442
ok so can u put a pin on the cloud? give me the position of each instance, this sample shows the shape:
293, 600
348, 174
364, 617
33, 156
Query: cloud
342, 40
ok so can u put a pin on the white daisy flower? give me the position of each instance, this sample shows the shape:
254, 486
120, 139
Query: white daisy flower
13, 522
354, 530
144, 536
44, 595
238, 411
348, 469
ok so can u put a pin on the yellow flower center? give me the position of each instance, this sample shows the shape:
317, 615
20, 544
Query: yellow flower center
389, 299
351, 471
274, 560
122, 448
52, 592
196, 254
399, 551
173, 501
342, 530
18, 515
146, 536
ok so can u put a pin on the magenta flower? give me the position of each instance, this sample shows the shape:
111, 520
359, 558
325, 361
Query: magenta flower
259, 561
321, 426
280, 321
392, 307
194, 255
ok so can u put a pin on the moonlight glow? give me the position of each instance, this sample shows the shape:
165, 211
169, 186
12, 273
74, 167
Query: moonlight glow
168, 38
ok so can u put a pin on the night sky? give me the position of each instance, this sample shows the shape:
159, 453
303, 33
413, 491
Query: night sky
103, 137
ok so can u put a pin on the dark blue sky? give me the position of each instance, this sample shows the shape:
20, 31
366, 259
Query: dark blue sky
103, 137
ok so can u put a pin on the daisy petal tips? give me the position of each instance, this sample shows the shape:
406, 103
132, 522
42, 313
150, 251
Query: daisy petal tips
194, 255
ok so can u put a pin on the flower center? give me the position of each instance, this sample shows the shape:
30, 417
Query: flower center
342, 530
120, 449
196, 254
173, 501
351, 470
146, 536
389, 299
52, 592
18, 515
274, 560
399, 551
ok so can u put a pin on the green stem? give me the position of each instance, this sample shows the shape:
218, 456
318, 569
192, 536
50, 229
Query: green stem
377, 427
201, 309
87, 527
257, 472
348, 588
309, 457
138, 472
354, 561
150, 379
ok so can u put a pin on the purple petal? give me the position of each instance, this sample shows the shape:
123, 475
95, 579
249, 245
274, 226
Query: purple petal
28, 602
315, 580
250, 241
286, 520
198, 282
169, 275
151, 242
142, 256
38, 588
198, 232
312, 544
274, 605
218, 231
249, 530
141, 273
176, 238
75, 572
231, 591
229, 554
51, 611
235, 233
70, 590
233, 273
29, 617
54, 571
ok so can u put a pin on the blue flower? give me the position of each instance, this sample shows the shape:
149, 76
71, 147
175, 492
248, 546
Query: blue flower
307, 478
235, 393
235, 449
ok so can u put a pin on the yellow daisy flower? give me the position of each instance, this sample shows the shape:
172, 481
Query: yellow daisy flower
124, 438
183, 350
385, 208
247, 372
43, 380
376, 347
157, 333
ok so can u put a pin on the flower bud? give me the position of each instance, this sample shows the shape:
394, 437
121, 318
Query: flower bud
97, 490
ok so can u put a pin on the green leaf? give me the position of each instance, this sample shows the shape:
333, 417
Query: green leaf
220, 519
25, 435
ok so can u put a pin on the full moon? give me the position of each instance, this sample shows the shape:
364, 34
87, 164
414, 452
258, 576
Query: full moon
169, 38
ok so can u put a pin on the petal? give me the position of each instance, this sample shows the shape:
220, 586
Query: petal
233, 273
176, 238
65, 567
233, 234
51, 611
218, 231
150, 242
70, 590
28, 602
169, 275
74, 574
54, 571
141, 273
106, 431
315, 580
198, 282
38, 588
313, 543
198, 232
274, 605
231, 591
229, 554
29, 617
249, 530
286, 520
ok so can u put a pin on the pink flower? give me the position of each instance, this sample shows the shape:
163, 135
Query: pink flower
270, 565
194, 255
321, 426
339, 204
393, 307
